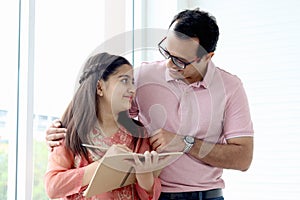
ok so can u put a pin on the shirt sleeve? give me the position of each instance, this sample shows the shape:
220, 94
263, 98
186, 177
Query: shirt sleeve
238, 121
134, 110
61, 178
156, 191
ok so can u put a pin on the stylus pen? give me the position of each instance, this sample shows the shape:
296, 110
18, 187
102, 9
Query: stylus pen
126, 177
96, 147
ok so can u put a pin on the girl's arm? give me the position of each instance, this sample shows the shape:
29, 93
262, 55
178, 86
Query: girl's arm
61, 178
146, 181
148, 186
89, 172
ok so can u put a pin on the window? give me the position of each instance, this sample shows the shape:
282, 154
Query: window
8, 87
38, 74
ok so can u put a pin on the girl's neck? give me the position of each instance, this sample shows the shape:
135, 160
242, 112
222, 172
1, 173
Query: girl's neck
108, 124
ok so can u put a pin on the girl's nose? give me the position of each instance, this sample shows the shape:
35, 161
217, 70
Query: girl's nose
132, 88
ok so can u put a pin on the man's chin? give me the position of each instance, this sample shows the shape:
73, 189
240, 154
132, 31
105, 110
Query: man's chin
176, 75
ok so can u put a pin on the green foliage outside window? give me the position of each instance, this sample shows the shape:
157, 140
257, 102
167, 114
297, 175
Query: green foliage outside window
40, 165
3, 170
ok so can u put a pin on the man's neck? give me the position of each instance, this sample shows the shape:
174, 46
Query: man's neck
197, 77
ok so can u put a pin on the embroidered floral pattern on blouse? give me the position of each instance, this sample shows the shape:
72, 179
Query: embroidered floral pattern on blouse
120, 137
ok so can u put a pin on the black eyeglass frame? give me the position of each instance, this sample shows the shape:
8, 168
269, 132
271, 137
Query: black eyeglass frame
166, 54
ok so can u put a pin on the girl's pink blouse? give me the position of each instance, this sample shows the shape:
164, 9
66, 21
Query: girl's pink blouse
65, 171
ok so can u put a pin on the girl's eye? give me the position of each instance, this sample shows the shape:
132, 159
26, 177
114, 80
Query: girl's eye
124, 80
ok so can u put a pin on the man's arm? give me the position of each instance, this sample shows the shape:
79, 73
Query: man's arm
236, 154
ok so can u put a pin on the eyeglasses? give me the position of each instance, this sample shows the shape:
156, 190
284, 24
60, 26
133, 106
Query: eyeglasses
177, 61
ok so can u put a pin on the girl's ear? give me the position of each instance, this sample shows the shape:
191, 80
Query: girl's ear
99, 88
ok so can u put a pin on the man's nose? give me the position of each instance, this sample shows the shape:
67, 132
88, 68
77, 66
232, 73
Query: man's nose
171, 65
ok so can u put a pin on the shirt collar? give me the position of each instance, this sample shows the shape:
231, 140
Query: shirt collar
211, 68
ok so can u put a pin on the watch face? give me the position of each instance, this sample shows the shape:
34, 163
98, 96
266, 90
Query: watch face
189, 139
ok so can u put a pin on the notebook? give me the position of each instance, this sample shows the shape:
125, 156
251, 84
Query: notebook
115, 171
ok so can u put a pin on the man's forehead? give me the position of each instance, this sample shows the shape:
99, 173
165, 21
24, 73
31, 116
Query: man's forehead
182, 37
182, 48
173, 26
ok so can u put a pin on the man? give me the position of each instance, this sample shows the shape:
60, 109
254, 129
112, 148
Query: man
188, 104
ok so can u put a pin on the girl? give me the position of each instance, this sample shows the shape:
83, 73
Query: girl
97, 115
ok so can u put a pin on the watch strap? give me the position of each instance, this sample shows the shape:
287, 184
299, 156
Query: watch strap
188, 145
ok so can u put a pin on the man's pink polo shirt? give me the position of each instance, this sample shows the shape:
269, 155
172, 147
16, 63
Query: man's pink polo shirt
214, 109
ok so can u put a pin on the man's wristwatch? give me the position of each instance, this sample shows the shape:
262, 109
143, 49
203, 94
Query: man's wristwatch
189, 142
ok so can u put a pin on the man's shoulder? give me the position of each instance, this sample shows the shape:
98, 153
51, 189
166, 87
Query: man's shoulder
228, 77
153, 65
150, 70
230, 81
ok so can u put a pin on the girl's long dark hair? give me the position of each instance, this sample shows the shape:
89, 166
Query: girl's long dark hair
80, 116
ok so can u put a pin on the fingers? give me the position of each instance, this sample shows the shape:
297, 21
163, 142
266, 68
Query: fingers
144, 163
54, 130
148, 158
155, 158
155, 136
54, 140
164, 140
56, 135
158, 141
157, 144
154, 142
56, 123
55, 127
137, 161
52, 144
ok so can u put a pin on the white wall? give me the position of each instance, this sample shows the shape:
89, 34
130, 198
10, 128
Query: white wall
259, 43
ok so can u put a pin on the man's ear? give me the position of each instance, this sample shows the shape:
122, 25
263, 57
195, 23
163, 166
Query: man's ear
99, 88
209, 55
206, 57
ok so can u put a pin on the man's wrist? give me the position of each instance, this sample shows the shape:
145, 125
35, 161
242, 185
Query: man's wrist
189, 142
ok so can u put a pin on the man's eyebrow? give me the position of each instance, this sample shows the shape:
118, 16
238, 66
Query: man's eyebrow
182, 59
